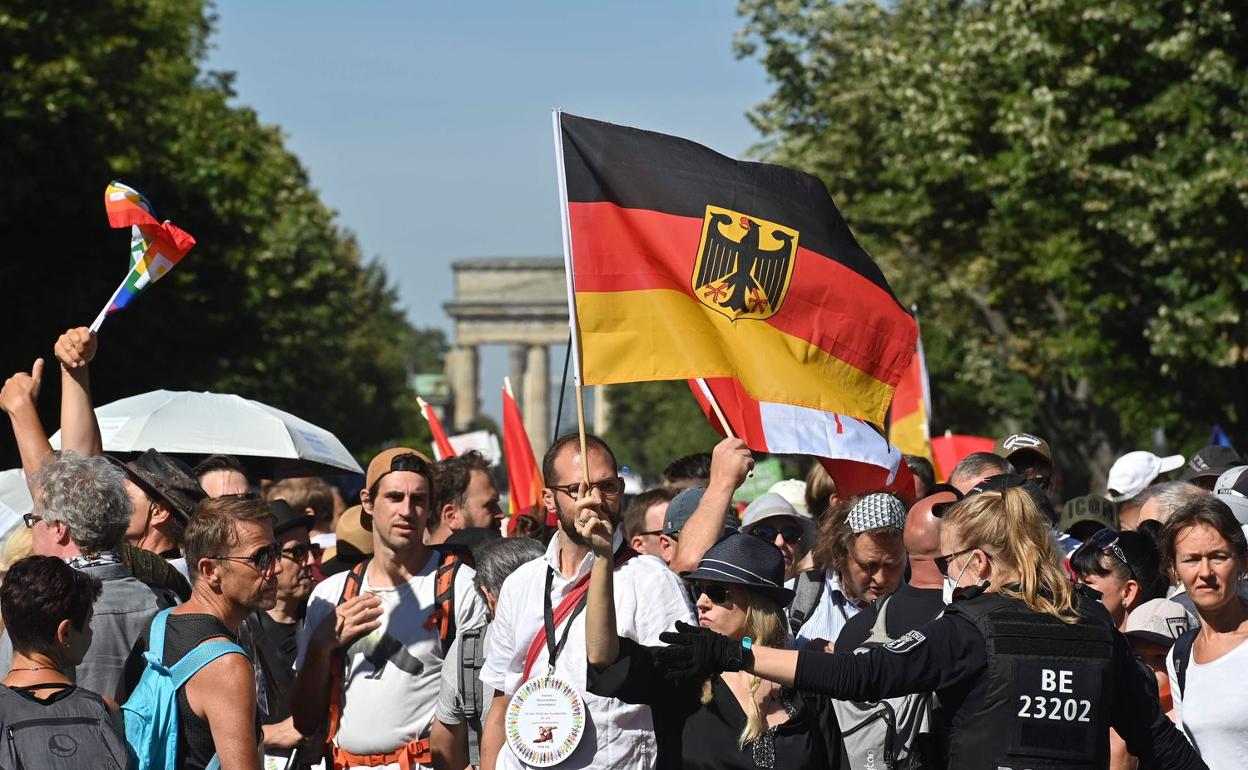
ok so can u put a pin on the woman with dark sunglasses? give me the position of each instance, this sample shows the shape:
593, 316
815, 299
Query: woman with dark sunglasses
1124, 567
1029, 672
731, 719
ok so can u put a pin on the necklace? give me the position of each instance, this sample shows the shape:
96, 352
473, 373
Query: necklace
35, 668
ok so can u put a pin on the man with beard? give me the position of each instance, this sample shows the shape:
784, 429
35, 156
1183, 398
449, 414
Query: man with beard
371, 651
235, 565
649, 599
275, 633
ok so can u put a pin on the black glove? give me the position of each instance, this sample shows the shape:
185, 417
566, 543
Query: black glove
694, 652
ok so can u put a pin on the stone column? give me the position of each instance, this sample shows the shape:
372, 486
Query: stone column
519, 364
602, 410
461, 373
537, 399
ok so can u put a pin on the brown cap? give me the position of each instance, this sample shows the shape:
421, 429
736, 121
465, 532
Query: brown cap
1022, 442
383, 463
354, 542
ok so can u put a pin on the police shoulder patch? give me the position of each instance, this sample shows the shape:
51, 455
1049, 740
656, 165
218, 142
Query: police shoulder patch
906, 642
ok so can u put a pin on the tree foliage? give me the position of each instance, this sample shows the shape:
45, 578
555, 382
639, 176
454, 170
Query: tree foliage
1060, 185
275, 301
653, 423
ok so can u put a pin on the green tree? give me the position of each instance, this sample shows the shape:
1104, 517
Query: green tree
275, 302
1061, 186
653, 423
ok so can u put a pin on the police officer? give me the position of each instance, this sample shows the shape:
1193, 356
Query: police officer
1030, 673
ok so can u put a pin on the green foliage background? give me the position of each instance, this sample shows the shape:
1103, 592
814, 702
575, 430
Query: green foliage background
1060, 185
274, 303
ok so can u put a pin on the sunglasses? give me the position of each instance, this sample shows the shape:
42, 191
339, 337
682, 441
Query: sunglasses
612, 487
1107, 541
942, 562
262, 561
717, 593
791, 534
299, 553
29, 520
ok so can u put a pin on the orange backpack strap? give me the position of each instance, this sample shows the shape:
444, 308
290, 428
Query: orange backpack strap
443, 616
338, 661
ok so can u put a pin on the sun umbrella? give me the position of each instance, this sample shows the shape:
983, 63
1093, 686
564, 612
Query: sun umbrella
270, 442
14, 499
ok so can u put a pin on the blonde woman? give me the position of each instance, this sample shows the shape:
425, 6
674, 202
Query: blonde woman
730, 719
1029, 673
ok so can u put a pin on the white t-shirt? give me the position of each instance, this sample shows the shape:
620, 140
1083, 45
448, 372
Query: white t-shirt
1213, 709
649, 599
391, 682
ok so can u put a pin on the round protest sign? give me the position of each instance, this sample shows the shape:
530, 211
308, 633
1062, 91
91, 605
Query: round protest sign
545, 721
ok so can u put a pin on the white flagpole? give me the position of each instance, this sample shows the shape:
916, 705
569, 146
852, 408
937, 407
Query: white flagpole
575, 340
710, 398
99, 319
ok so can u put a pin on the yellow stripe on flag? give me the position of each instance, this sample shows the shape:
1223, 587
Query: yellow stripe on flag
660, 334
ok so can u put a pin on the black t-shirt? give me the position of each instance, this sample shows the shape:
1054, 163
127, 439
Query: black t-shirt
276, 645
909, 608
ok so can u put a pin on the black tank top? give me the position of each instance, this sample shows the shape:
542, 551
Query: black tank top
184, 633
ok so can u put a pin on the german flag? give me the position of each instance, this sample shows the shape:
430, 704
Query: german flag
686, 263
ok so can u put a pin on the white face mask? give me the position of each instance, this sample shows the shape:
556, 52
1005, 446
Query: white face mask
951, 584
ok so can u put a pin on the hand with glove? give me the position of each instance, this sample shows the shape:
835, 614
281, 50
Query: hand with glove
693, 652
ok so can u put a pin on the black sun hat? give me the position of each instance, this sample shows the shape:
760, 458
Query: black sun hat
747, 561
165, 478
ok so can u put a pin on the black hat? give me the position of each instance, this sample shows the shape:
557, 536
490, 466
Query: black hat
165, 478
287, 518
748, 561
1212, 460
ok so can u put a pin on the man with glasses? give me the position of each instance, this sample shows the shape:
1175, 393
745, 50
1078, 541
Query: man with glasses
649, 599
372, 648
274, 634
235, 565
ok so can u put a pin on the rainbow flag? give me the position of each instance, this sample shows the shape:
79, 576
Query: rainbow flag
523, 475
155, 247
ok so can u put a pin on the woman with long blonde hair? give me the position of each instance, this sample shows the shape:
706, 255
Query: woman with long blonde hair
1028, 671
728, 719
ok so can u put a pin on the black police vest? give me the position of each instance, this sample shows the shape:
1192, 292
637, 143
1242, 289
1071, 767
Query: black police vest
1048, 696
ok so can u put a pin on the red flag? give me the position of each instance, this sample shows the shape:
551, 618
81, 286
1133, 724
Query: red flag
950, 448
523, 475
855, 455
442, 448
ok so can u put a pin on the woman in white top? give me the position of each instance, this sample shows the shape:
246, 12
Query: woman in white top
1206, 549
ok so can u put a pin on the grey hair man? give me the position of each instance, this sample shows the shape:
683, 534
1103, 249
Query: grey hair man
976, 467
81, 516
1160, 500
461, 700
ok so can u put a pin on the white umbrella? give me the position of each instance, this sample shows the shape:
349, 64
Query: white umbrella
15, 499
269, 441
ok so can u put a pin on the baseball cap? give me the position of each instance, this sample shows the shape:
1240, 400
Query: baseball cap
384, 463
682, 507
794, 491
1088, 508
771, 505
166, 479
1232, 489
1019, 443
878, 510
1212, 460
1159, 621
1134, 471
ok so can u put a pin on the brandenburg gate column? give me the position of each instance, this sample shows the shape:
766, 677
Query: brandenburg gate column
461, 373
537, 399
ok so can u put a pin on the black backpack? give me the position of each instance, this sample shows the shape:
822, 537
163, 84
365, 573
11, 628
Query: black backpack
73, 730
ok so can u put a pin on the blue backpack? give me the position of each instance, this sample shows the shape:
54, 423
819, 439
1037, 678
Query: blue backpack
151, 711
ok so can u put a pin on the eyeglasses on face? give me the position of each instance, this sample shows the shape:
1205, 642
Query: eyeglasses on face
612, 487
791, 534
716, 592
263, 561
29, 520
1106, 540
299, 553
942, 562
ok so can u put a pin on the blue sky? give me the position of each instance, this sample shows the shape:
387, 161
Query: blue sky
427, 126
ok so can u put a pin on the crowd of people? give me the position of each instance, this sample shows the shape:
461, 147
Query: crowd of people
162, 615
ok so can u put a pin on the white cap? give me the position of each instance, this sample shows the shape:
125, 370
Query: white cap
1134, 471
1232, 489
794, 491
1160, 621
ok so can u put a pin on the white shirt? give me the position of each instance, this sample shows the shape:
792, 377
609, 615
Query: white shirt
1213, 709
649, 599
392, 677
830, 616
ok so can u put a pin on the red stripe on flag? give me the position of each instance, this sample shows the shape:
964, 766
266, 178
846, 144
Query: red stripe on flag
617, 249
441, 444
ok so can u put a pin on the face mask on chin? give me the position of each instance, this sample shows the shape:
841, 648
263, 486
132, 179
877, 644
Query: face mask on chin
950, 584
